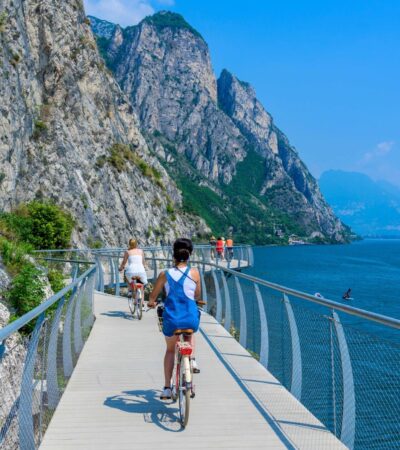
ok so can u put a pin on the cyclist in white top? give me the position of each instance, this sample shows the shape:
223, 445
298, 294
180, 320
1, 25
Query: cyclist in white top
134, 256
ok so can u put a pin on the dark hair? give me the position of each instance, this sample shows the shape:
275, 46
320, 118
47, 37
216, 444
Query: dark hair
182, 249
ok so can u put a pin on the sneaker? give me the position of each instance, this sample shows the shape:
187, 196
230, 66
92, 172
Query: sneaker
166, 394
195, 367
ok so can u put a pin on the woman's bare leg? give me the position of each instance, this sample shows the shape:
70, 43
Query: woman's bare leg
169, 359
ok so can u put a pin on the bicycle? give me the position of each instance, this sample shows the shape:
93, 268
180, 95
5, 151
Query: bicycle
135, 297
182, 386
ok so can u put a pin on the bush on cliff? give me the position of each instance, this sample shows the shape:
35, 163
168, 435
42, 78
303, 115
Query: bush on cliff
43, 225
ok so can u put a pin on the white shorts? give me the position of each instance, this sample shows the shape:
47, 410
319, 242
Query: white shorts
142, 276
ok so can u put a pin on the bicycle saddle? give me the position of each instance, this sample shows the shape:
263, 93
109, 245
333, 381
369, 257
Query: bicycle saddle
183, 331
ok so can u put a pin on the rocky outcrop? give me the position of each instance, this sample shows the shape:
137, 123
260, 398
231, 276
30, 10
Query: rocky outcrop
164, 67
288, 183
166, 72
69, 134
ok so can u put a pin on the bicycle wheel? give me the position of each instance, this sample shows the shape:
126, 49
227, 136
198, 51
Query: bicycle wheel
139, 306
184, 396
131, 303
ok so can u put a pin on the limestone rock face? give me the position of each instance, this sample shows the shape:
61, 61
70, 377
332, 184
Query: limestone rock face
163, 65
294, 188
68, 133
166, 72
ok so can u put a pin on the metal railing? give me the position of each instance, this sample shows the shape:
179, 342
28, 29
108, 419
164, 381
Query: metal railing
35, 366
322, 351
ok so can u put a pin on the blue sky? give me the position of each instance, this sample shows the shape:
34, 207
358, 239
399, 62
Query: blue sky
328, 71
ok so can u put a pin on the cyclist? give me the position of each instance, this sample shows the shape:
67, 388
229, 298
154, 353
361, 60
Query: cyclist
134, 256
183, 289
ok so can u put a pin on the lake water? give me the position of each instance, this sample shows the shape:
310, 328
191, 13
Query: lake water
371, 268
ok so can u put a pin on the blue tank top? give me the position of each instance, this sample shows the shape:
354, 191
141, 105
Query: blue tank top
180, 310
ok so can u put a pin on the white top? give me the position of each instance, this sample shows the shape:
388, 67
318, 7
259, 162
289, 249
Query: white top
135, 264
189, 286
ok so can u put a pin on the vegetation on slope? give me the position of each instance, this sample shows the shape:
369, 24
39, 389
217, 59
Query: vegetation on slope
35, 225
237, 208
166, 19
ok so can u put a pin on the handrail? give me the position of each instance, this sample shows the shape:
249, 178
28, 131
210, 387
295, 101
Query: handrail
379, 318
23, 320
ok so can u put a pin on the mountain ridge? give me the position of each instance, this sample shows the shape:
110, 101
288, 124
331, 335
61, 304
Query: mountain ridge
187, 115
370, 207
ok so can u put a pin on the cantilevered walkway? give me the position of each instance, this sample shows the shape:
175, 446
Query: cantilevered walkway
112, 399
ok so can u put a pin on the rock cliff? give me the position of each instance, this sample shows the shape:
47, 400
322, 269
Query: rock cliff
215, 138
69, 134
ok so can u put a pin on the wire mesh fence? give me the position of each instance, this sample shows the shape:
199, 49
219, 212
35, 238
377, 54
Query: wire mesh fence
35, 367
347, 377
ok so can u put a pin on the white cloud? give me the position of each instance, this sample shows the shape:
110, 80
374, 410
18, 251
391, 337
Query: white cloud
166, 2
123, 12
381, 150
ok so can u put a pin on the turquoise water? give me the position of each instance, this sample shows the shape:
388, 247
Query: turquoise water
371, 268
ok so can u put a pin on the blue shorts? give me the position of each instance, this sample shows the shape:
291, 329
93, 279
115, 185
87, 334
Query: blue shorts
169, 326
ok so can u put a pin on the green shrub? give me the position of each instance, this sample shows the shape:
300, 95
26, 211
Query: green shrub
44, 225
14, 254
39, 129
170, 208
94, 243
3, 21
27, 290
56, 280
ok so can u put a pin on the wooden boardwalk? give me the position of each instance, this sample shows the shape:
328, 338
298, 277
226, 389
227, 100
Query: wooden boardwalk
112, 400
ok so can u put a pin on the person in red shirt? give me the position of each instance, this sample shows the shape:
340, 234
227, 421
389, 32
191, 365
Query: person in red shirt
220, 248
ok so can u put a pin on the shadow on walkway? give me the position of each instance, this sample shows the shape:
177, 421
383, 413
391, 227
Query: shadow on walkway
163, 414
118, 314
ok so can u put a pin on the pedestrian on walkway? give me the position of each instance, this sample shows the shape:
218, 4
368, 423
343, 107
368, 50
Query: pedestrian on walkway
229, 248
213, 243
220, 248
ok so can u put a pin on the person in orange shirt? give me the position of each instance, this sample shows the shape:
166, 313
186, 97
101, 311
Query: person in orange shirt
229, 248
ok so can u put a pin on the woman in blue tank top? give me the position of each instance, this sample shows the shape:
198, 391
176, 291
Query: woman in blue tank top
182, 286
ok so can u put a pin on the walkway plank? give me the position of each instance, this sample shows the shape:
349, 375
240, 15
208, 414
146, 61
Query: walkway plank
111, 402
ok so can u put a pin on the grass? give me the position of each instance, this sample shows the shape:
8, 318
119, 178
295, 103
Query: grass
121, 155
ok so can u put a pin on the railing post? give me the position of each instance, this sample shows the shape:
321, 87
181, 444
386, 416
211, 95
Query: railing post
67, 350
296, 384
75, 270
243, 317
264, 349
116, 271
228, 314
53, 392
218, 314
347, 434
154, 268
203, 288
78, 343
26, 430
100, 285
110, 263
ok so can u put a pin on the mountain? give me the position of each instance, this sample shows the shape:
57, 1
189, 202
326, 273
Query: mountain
369, 207
68, 133
235, 168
